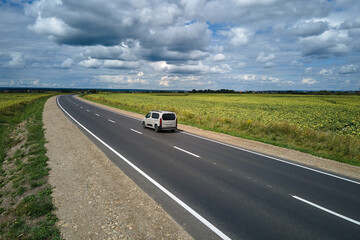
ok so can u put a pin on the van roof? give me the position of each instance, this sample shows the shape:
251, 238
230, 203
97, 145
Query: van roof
162, 111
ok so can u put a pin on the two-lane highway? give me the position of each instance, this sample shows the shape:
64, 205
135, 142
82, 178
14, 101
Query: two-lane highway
223, 191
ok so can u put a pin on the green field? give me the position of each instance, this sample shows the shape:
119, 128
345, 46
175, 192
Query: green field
26, 208
327, 126
11, 102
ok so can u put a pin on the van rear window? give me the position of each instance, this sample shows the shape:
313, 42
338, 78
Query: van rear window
168, 116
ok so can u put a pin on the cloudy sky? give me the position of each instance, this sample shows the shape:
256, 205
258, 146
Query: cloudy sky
184, 44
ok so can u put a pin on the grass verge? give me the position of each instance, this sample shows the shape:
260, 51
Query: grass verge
26, 207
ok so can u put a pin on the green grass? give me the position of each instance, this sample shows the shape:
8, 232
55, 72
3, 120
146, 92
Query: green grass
326, 126
27, 211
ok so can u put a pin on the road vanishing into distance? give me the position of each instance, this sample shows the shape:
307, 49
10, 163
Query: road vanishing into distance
218, 191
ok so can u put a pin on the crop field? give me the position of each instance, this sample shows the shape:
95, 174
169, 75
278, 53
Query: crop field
323, 125
9, 102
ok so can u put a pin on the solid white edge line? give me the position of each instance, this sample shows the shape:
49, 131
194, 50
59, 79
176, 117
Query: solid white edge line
326, 210
186, 151
274, 158
111, 120
167, 192
135, 131
246, 150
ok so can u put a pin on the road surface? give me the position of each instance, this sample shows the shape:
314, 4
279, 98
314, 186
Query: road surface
216, 190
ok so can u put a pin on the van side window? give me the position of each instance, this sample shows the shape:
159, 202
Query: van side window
155, 115
147, 115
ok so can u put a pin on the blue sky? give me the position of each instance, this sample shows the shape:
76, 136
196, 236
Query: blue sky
186, 44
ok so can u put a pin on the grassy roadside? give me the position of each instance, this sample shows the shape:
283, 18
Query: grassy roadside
26, 207
263, 118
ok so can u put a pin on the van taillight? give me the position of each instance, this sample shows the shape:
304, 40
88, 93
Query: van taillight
160, 122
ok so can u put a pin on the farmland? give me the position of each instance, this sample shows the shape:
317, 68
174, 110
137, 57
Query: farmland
327, 126
11, 102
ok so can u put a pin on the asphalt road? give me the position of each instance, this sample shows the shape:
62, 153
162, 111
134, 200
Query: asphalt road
215, 190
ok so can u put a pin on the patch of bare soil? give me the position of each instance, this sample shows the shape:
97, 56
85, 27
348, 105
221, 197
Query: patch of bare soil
292, 155
95, 199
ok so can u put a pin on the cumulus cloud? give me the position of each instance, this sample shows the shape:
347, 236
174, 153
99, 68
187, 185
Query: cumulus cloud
308, 81
116, 80
237, 36
198, 67
67, 63
219, 57
266, 60
326, 72
350, 24
54, 28
91, 63
117, 64
296, 63
254, 2
262, 58
309, 28
348, 69
186, 38
332, 42
17, 60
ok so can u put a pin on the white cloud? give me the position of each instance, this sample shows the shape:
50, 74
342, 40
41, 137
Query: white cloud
52, 27
198, 67
296, 63
17, 60
219, 57
247, 77
332, 42
114, 79
117, 64
67, 63
347, 69
241, 65
91, 63
254, 2
237, 36
350, 24
326, 72
182, 39
266, 60
262, 58
164, 83
308, 81
308, 70
309, 28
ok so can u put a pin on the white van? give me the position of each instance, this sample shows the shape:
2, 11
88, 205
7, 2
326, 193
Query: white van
160, 120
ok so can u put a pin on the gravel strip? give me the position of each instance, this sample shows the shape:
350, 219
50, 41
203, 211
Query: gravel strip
94, 198
292, 155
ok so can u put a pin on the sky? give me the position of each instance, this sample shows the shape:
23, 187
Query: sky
185, 44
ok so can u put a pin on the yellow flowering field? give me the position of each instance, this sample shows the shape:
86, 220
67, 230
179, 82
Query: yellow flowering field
10, 101
320, 124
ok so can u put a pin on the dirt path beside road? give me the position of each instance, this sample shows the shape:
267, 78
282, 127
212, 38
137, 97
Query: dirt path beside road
94, 198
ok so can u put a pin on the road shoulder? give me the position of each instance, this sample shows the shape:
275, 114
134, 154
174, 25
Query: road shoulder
267, 149
94, 198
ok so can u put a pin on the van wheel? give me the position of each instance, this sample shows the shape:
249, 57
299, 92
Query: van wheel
157, 128
143, 124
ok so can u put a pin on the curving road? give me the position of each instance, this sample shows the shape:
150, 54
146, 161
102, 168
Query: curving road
216, 190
